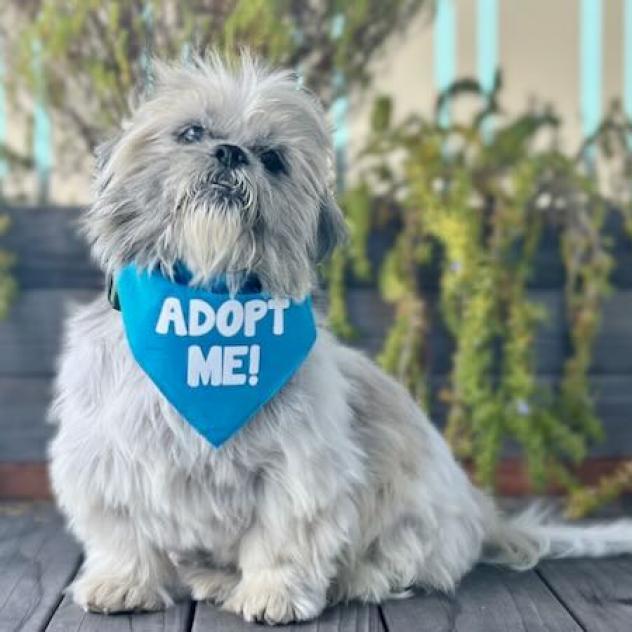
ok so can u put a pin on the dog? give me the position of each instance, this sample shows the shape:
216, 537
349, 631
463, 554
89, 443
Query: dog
339, 487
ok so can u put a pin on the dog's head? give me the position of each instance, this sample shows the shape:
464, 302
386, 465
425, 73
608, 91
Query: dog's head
225, 169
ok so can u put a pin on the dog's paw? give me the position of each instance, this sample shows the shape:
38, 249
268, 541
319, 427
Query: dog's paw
266, 597
208, 584
108, 594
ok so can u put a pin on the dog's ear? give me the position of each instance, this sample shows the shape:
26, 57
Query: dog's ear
332, 229
102, 155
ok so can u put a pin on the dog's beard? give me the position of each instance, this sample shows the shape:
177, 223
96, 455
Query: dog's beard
218, 216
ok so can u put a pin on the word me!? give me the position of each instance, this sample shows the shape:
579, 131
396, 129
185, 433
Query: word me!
223, 365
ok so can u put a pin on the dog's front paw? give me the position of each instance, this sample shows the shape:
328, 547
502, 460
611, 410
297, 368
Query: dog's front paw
110, 593
268, 597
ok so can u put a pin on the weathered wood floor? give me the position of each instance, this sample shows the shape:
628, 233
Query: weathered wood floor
38, 559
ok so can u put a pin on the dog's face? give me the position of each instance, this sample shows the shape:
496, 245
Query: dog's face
225, 170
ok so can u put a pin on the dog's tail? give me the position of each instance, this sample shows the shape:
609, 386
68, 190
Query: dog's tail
521, 542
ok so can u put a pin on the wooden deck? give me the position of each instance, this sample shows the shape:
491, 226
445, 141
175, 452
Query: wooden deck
38, 559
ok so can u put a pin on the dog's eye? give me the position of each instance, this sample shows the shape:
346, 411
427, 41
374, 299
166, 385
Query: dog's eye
191, 134
273, 161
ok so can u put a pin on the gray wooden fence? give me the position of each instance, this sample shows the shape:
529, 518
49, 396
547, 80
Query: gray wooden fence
53, 269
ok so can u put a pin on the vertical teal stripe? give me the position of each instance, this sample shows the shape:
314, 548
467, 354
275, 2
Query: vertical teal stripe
339, 110
444, 53
337, 25
299, 38
186, 53
3, 123
590, 65
487, 50
627, 58
147, 18
300, 76
42, 141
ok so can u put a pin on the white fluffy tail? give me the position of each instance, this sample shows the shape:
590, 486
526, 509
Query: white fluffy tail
521, 542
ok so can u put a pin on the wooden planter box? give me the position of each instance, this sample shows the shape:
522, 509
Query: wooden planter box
53, 268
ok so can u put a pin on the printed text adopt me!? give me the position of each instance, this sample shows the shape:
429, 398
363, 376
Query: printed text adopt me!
223, 365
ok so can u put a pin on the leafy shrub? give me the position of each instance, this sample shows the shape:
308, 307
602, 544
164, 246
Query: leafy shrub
475, 204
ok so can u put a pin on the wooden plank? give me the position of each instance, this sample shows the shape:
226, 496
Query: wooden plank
488, 600
71, 618
30, 480
372, 317
56, 255
597, 592
38, 558
30, 337
23, 405
25, 434
49, 252
512, 479
353, 617
613, 402
548, 269
613, 347
613, 397
24, 481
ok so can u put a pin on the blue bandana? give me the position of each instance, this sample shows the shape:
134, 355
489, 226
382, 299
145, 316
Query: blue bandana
217, 359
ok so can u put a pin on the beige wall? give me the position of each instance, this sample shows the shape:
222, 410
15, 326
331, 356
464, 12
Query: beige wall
539, 56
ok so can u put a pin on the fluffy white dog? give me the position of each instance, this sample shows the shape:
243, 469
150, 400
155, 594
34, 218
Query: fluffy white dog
339, 487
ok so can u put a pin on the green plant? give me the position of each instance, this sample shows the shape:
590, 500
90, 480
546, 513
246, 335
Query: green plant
583, 501
91, 53
84, 58
476, 205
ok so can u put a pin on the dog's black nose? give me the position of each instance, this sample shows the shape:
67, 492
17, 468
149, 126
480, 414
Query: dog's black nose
231, 156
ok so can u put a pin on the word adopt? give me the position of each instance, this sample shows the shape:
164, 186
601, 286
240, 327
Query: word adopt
229, 364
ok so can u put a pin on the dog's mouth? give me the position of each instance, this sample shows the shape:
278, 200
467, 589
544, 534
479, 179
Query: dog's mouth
226, 190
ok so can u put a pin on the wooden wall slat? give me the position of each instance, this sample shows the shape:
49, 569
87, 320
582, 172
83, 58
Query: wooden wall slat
613, 403
24, 433
371, 318
548, 269
31, 335
49, 251
57, 255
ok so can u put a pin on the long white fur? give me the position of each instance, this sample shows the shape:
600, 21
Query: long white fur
340, 487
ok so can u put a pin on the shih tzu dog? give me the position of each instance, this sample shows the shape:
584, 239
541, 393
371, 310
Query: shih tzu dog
333, 485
